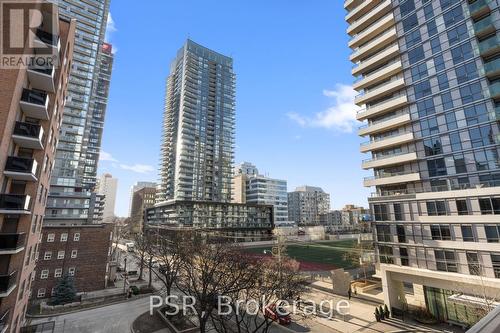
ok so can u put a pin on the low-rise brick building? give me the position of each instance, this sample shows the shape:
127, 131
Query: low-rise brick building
82, 251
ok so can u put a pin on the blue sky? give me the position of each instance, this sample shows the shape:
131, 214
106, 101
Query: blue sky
294, 112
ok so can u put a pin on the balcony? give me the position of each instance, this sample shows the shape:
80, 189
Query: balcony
391, 179
35, 104
7, 283
46, 39
360, 10
391, 141
4, 321
492, 68
385, 125
389, 160
484, 26
28, 135
20, 168
12, 243
42, 78
489, 46
479, 8
382, 107
382, 73
374, 14
14, 204
495, 90
376, 60
376, 44
389, 87
372, 31
350, 4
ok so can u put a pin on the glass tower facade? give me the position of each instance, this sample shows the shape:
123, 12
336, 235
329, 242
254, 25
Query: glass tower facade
74, 174
427, 73
198, 129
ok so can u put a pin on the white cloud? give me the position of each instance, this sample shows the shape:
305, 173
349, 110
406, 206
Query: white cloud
105, 156
340, 116
139, 168
110, 30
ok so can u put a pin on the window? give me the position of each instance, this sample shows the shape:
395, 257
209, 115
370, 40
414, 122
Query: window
64, 237
476, 114
403, 254
416, 54
446, 3
419, 71
489, 206
462, 53
60, 255
407, 7
445, 261
467, 233
71, 271
435, 45
453, 16
440, 232
433, 146
58, 272
466, 72
385, 254
426, 107
381, 213
436, 208
44, 274
492, 233
456, 143
437, 167
47, 255
481, 136
76, 237
422, 89
74, 253
447, 102
429, 126
384, 233
432, 28
399, 212
50, 238
471, 93
410, 22
428, 11
400, 229
413, 38
495, 260
443, 81
458, 34
40, 293
459, 162
462, 207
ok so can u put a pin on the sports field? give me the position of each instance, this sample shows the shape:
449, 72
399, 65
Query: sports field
316, 256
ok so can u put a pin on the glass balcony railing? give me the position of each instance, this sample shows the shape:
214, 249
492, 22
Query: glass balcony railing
11, 241
387, 174
34, 97
14, 202
27, 129
492, 66
7, 281
19, 164
483, 24
385, 157
478, 6
489, 44
381, 121
47, 37
495, 89
384, 138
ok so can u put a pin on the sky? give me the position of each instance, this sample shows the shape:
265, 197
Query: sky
295, 117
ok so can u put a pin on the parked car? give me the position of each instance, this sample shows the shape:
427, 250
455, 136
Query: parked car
278, 314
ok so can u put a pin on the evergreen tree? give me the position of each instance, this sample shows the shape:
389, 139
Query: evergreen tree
64, 291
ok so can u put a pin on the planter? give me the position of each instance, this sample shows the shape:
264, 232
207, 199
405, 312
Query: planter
177, 323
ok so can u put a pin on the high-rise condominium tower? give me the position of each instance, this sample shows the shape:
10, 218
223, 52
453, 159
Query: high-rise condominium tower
198, 128
427, 73
107, 186
31, 103
77, 153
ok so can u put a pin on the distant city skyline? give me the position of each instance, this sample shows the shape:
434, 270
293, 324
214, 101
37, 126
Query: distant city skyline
294, 113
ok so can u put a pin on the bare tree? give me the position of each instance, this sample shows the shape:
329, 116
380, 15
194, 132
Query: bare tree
360, 255
142, 248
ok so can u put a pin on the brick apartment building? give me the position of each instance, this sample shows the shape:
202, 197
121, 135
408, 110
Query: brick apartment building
31, 105
82, 251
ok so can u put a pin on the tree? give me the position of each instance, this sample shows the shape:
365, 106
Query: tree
64, 291
360, 255
142, 248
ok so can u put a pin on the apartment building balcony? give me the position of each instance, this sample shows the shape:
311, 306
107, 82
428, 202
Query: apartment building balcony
7, 283
479, 8
382, 126
495, 90
34, 104
28, 135
388, 179
492, 68
372, 31
387, 142
11, 243
370, 17
382, 107
20, 168
379, 75
389, 160
350, 4
378, 43
360, 10
489, 46
46, 39
14, 204
4, 324
375, 60
484, 26
379, 91
42, 78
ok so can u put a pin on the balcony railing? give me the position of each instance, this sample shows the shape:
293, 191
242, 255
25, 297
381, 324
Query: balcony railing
385, 157
495, 89
387, 174
479, 6
11, 241
384, 138
383, 120
484, 25
4, 323
47, 37
7, 281
27, 129
489, 45
14, 202
20, 164
34, 97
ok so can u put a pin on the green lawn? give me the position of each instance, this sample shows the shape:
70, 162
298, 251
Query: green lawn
330, 253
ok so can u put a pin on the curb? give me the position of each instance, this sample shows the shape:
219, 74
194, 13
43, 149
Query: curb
84, 309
